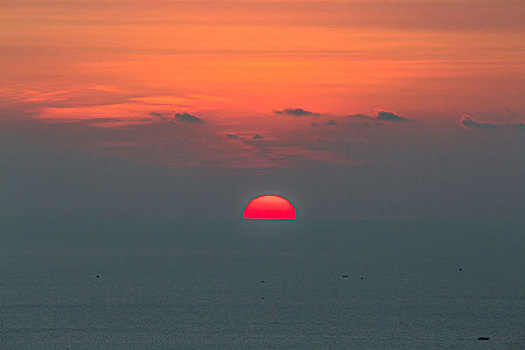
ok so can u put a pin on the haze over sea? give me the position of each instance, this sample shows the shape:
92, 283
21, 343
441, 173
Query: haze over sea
210, 284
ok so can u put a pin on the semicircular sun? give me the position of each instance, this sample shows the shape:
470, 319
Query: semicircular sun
269, 207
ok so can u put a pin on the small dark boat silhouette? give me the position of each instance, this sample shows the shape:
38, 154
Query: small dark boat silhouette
345, 276
98, 276
483, 338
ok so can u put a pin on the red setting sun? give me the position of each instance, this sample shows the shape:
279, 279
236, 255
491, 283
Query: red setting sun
270, 207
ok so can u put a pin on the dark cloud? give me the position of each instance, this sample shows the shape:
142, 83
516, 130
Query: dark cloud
468, 122
362, 119
381, 116
188, 118
389, 116
247, 139
297, 112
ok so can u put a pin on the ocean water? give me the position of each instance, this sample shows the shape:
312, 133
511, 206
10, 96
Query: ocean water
197, 284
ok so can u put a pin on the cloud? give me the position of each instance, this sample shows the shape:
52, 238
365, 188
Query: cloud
389, 116
382, 116
468, 122
297, 112
187, 118
233, 136
359, 119
246, 137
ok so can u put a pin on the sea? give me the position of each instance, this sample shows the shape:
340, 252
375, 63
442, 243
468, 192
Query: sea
120, 283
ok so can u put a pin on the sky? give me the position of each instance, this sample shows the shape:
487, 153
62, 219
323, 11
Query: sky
374, 109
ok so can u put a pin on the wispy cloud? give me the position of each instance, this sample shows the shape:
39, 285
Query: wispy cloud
149, 129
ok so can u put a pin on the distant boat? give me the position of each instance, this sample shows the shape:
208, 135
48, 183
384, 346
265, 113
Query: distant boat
483, 338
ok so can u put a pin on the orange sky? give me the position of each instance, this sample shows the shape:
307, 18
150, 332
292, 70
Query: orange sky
232, 63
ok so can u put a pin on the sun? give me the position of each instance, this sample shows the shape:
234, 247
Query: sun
269, 207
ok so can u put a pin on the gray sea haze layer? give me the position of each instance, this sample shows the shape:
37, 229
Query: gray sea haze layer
197, 284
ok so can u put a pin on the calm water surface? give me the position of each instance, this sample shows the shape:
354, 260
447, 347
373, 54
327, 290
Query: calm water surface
253, 285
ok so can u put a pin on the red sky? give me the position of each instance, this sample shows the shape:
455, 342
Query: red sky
129, 67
